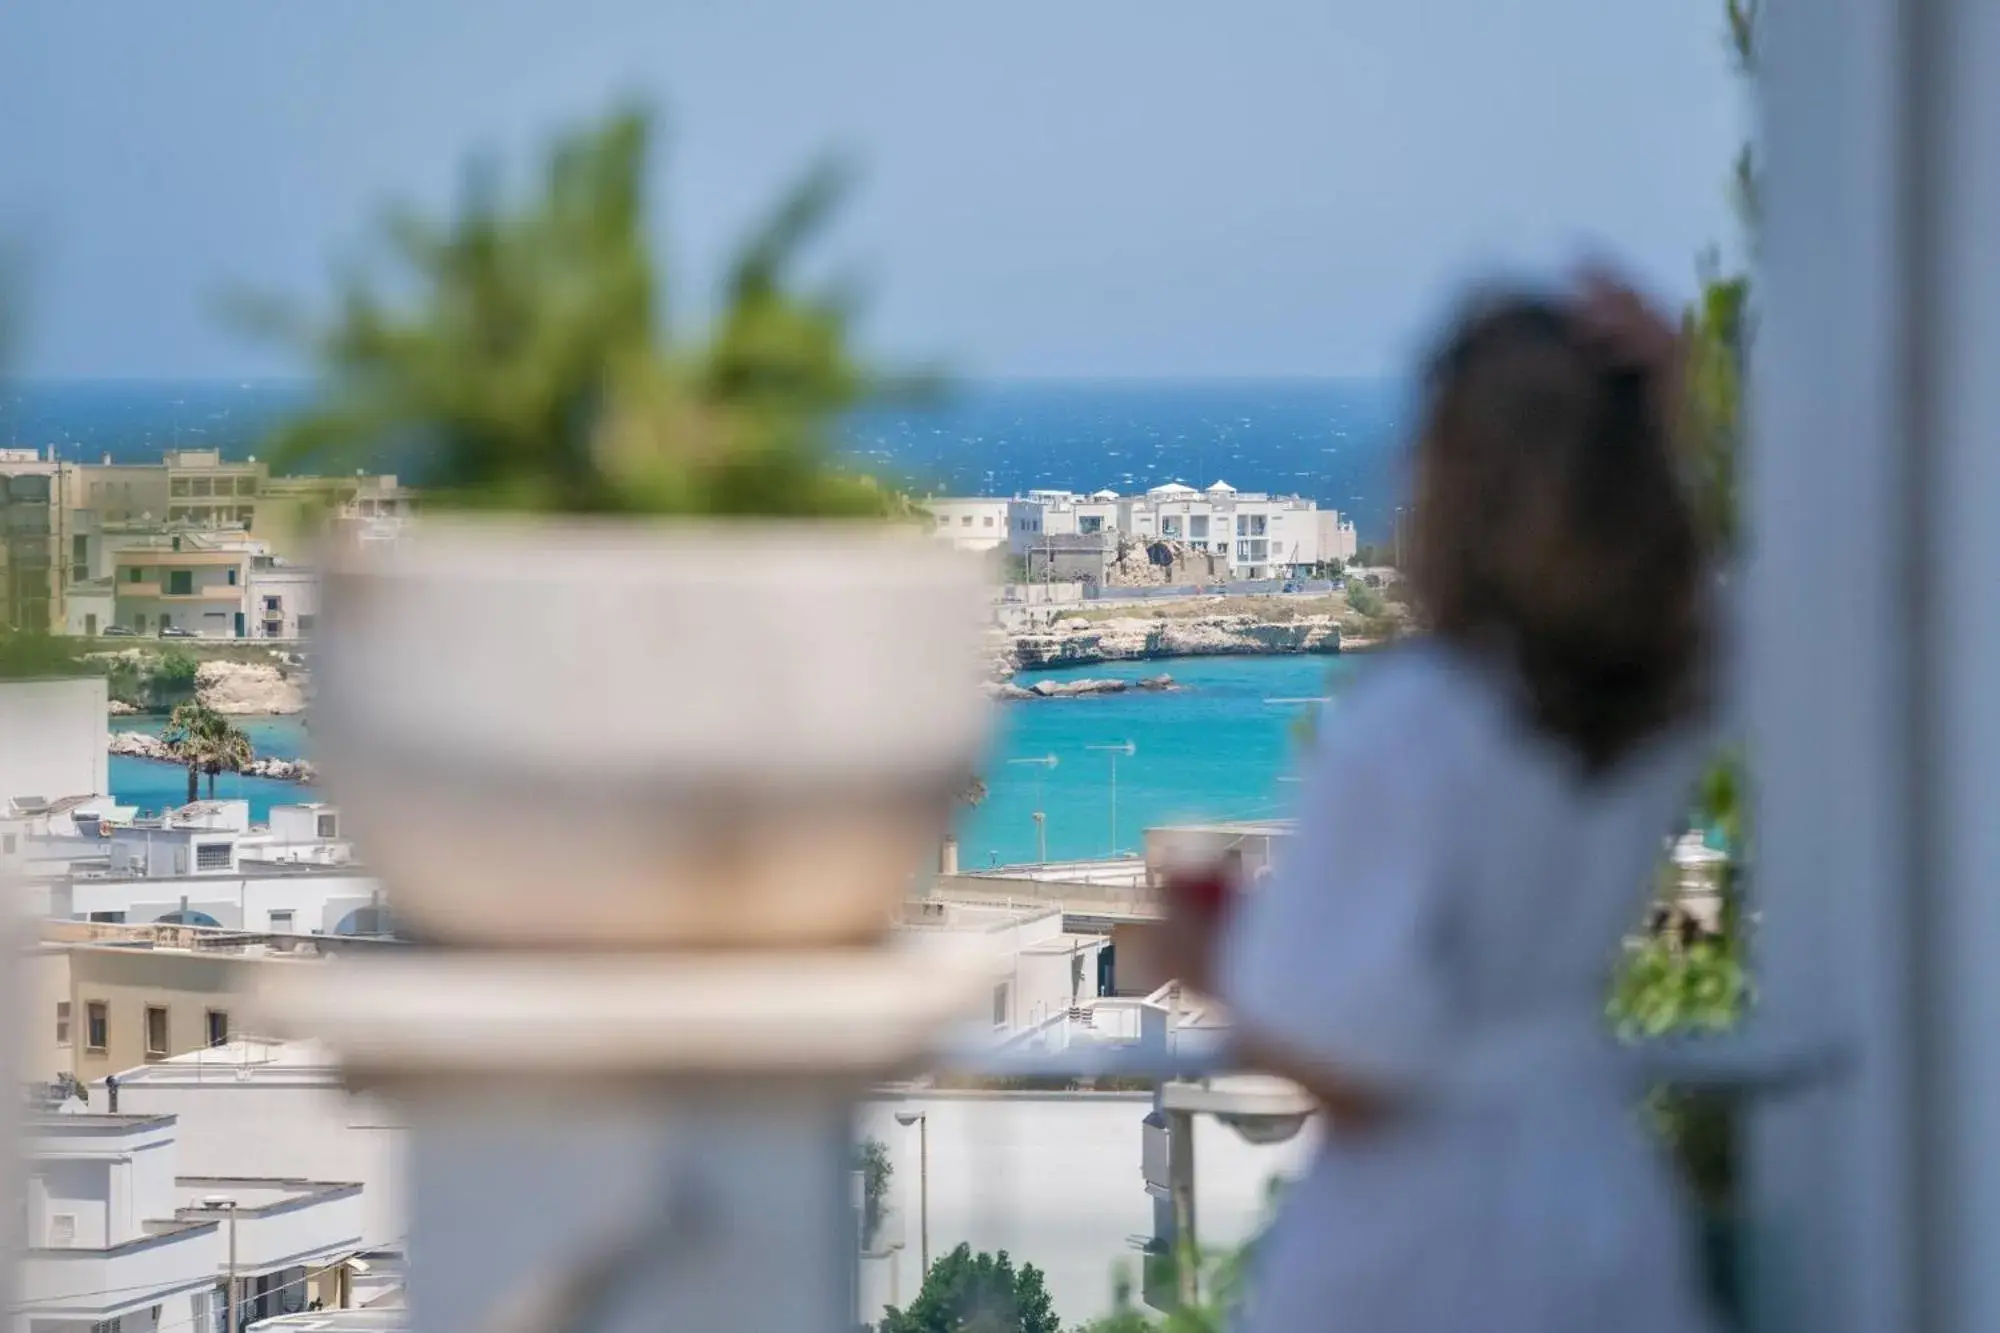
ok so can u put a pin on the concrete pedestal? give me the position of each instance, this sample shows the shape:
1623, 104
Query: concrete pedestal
627, 1143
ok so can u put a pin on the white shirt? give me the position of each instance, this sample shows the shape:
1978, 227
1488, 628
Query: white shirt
1445, 926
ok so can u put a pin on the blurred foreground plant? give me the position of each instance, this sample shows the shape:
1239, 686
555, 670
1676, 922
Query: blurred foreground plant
524, 350
33, 655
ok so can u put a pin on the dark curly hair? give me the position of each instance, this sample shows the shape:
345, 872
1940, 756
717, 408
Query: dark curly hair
1553, 530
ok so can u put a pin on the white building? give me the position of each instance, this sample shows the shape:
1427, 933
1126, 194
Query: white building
969, 524
1262, 536
275, 1108
1040, 971
211, 585
265, 897
118, 1240
283, 599
51, 741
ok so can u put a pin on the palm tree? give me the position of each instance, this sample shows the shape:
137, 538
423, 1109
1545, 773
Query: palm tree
230, 749
207, 742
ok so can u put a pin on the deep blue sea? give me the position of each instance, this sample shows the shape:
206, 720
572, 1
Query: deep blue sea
1332, 440
1214, 749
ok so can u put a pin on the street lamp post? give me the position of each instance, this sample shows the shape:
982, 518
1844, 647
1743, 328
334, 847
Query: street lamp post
1128, 749
922, 1120
1045, 762
228, 1204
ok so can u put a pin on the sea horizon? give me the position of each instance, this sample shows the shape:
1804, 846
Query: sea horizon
1330, 438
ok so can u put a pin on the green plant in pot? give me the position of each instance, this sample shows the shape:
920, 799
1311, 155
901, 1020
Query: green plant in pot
680, 676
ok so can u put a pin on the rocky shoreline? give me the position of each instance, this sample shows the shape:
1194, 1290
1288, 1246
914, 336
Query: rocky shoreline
1073, 689
143, 745
1081, 642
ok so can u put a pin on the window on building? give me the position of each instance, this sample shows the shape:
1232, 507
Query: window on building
1090, 523
246, 485
79, 550
1198, 526
156, 1032
218, 1028
201, 486
180, 582
62, 1235
281, 923
965, 520
305, 624
273, 605
211, 856
135, 574
986, 522
116, 1325
8, 842
96, 1025
232, 578
328, 826
62, 1022
178, 486
1000, 1005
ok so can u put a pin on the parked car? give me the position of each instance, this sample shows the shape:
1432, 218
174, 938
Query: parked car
119, 632
176, 632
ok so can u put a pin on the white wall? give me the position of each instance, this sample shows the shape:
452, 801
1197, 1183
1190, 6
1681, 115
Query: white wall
297, 592
78, 1188
52, 736
85, 607
1055, 1181
304, 1127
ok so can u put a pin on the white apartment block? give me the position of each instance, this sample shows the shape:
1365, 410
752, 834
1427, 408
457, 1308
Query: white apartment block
1261, 535
212, 586
117, 1240
969, 524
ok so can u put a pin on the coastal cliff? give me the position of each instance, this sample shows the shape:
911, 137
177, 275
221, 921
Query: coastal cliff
247, 681
240, 688
1216, 625
1081, 642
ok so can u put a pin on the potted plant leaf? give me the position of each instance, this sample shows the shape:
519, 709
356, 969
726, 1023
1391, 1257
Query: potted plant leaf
652, 669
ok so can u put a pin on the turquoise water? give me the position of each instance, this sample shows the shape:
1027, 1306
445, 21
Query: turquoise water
151, 785
1212, 749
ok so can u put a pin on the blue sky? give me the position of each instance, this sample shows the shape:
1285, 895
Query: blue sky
1050, 187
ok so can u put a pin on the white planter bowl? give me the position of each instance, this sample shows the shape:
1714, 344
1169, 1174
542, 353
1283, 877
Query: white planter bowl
592, 733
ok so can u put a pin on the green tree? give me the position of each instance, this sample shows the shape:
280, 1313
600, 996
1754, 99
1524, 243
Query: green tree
1365, 601
523, 346
982, 1293
871, 1159
173, 676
